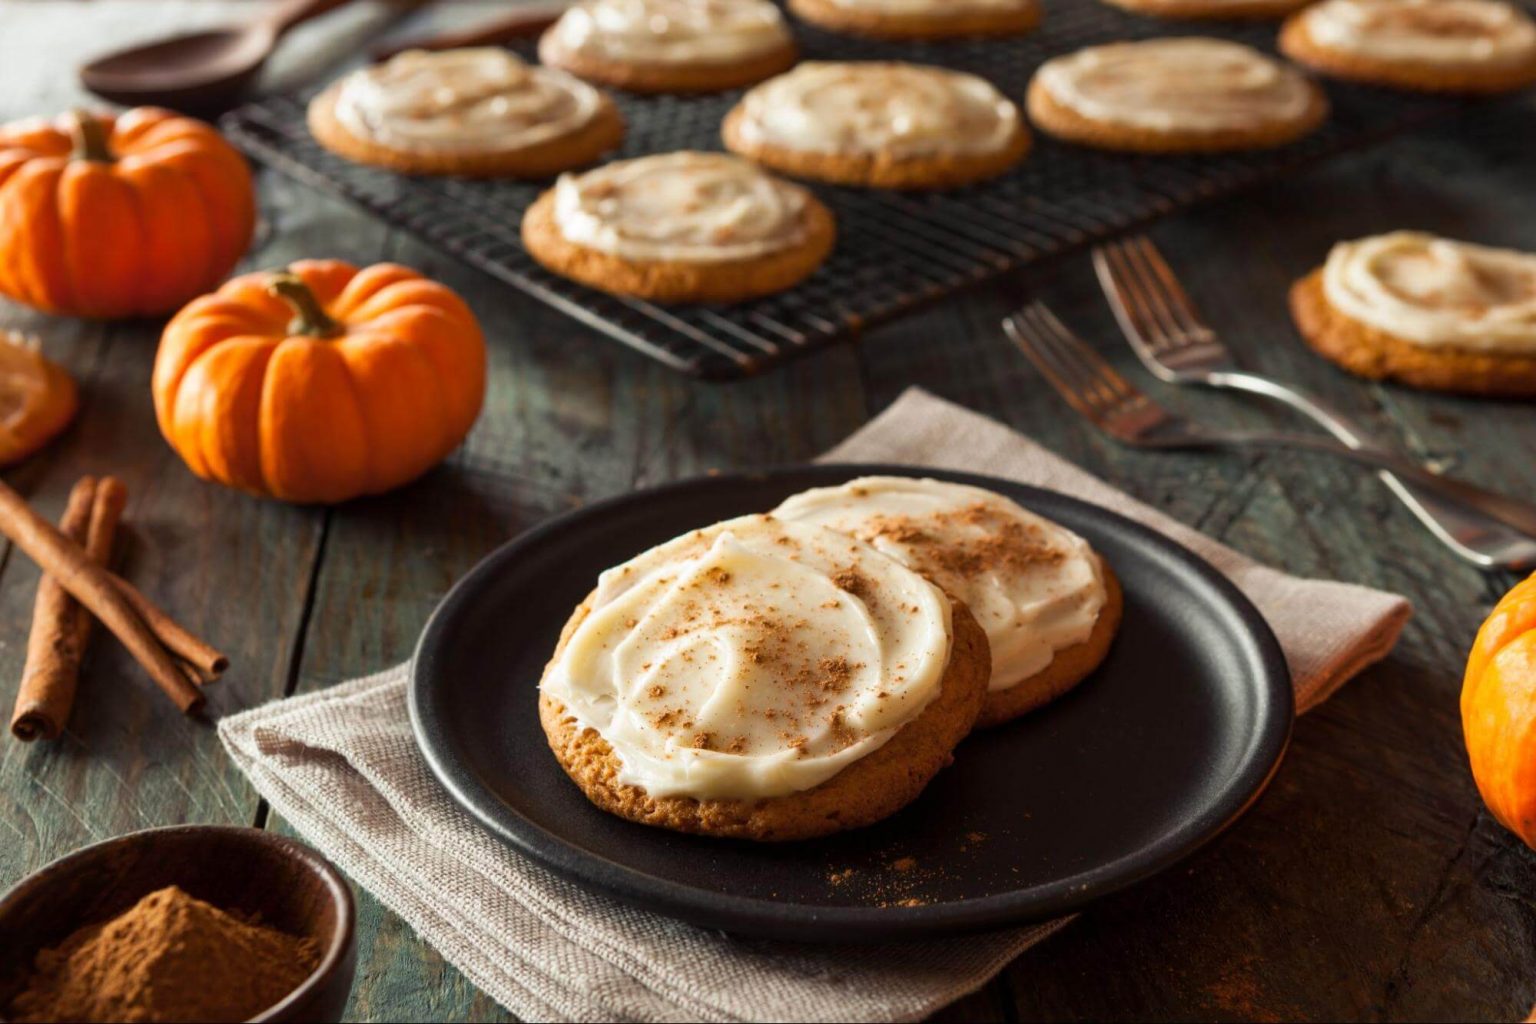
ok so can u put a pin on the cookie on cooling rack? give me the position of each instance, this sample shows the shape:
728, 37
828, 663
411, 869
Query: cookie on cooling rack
680, 227
1174, 95
1425, 311
921, 19
1452, 46
881, 124
760, 679
670, 46
1212, 10
1048, 603
477, 111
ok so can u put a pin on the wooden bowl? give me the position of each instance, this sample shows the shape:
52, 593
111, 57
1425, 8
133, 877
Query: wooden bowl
289, 885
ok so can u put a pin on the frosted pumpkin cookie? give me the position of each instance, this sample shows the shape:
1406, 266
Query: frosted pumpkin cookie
1047, 602
659, 46
1212, 10
764, 680
38, 398
921, 19
478, 111
889, 125
1174, 95
1458, 46
680, 227
1427, 311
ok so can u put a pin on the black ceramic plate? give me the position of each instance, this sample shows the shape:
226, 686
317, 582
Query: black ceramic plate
1162, 748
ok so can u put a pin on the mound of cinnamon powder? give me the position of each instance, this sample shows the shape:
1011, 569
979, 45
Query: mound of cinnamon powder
170, 957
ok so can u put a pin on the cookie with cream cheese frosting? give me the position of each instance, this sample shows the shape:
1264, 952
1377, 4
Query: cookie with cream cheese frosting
921, 19
1452, 46
763, 680
670, 46
680, 227
1047, 601
1425, 311
477, 111
1174, 95
881, 124
1212, 10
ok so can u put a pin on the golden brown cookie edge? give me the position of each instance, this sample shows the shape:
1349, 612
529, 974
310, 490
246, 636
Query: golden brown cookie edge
1367, 352
879, 25
662, 281
870, 789
669, 78
1069, 126
1070, 666
1297, 44
603, 133
878, 170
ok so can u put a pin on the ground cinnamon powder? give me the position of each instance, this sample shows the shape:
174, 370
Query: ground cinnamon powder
169, 958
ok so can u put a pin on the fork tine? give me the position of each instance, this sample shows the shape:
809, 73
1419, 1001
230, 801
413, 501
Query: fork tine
1090, 365
1143, 292
1115, 279
1031, 338
1182, 306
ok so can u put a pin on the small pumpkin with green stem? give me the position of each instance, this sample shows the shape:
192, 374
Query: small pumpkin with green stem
321, 382
114, 216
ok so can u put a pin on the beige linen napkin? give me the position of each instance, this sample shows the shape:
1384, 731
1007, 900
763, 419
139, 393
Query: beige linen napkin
342, 767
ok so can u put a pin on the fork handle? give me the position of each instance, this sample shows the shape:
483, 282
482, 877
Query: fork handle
1496, 544
1520, 515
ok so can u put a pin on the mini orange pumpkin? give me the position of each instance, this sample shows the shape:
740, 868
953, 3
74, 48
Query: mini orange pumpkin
119, 216
1498, 711
320, 383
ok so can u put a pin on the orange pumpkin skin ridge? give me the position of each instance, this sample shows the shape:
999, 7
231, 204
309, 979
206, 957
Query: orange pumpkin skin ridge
165, 220
318, 420
1498, 711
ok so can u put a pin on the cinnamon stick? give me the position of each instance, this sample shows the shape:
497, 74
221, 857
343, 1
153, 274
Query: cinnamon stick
57, 640
91, 585
205, 662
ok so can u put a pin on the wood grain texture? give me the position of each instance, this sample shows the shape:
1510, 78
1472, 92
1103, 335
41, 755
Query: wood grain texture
1366, 884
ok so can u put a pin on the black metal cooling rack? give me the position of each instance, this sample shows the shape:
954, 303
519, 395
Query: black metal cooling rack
896, 251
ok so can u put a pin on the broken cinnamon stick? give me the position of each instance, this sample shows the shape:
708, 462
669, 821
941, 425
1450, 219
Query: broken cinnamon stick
91, 585
57, 640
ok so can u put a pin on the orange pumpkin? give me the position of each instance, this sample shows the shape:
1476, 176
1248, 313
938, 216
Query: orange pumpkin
119, 216
1498, 711
320, 383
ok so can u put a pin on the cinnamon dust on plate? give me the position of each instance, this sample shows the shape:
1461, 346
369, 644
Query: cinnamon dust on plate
170, 957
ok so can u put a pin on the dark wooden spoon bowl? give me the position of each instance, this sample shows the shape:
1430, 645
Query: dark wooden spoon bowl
201, 72
255, 872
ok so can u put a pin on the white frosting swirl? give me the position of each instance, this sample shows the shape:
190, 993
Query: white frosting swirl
752, 659
878, 107
472, 99
1177, 83
1436, 292
668, 32
1437, 32
1035, 587
681, 207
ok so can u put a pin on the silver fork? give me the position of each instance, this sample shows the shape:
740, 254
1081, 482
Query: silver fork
1173, 341
1094, 389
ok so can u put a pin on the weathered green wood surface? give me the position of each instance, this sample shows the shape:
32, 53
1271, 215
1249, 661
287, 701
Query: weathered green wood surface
1366, 884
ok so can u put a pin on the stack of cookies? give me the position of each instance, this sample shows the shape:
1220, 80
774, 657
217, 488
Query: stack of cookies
807, 670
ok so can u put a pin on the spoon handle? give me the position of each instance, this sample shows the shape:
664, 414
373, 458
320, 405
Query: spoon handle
523, 23
284, 14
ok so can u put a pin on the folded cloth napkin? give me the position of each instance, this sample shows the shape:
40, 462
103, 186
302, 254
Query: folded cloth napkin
342, 767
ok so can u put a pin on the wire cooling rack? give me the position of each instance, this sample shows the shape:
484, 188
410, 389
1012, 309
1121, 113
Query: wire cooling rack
897, 252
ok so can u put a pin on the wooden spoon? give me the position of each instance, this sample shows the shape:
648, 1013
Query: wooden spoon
202, 71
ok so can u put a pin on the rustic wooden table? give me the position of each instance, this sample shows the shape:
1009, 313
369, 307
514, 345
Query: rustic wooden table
1367, 883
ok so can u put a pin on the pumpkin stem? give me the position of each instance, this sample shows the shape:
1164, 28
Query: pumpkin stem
90, 137
308, 318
